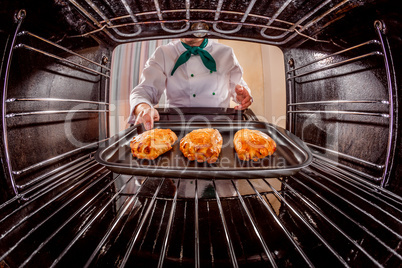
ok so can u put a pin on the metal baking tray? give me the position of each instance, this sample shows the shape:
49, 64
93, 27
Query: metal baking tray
291, 154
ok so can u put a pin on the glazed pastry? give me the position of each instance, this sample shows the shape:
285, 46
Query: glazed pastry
253, 144
202, 145
152, 143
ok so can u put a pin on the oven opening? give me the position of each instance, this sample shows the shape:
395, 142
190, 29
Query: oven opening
263, 71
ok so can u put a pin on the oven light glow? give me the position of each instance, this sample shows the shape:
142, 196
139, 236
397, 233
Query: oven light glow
325, 60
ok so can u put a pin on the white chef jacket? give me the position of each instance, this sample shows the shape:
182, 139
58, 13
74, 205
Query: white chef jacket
192, 84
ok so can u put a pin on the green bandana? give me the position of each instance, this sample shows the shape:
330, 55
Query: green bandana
206, 58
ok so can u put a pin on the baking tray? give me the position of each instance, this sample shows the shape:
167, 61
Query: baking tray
291, 154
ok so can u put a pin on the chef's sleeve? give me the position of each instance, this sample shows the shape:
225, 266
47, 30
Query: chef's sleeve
152, 84
236, 78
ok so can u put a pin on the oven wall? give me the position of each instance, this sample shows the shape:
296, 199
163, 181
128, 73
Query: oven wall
49, 114
362, 133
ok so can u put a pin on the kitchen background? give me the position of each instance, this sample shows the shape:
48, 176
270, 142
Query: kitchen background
263, 67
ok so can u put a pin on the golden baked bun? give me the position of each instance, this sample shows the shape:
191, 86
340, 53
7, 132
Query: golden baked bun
253, 144
202, 145
152, 143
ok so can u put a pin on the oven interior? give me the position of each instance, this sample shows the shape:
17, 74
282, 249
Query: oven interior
59, 207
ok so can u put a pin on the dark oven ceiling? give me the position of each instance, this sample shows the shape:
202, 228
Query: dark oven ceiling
280, 23
283, 23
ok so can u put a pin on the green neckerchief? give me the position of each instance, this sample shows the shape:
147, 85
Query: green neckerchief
206, 58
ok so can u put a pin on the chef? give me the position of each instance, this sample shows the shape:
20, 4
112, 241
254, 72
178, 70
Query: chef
195, 72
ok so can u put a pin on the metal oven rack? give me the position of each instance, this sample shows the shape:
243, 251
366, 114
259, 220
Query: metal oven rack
161, 222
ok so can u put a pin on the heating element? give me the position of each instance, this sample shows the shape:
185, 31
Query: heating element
60, 208
265, 22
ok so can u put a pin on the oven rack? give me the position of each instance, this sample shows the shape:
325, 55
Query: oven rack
47, 112
18, 46
51, 55
181, 16
379, 48
21, 185
84, 68
50, 180
351, 159
286, 221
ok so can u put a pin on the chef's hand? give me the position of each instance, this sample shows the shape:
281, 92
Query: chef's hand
243, 97
146, 114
